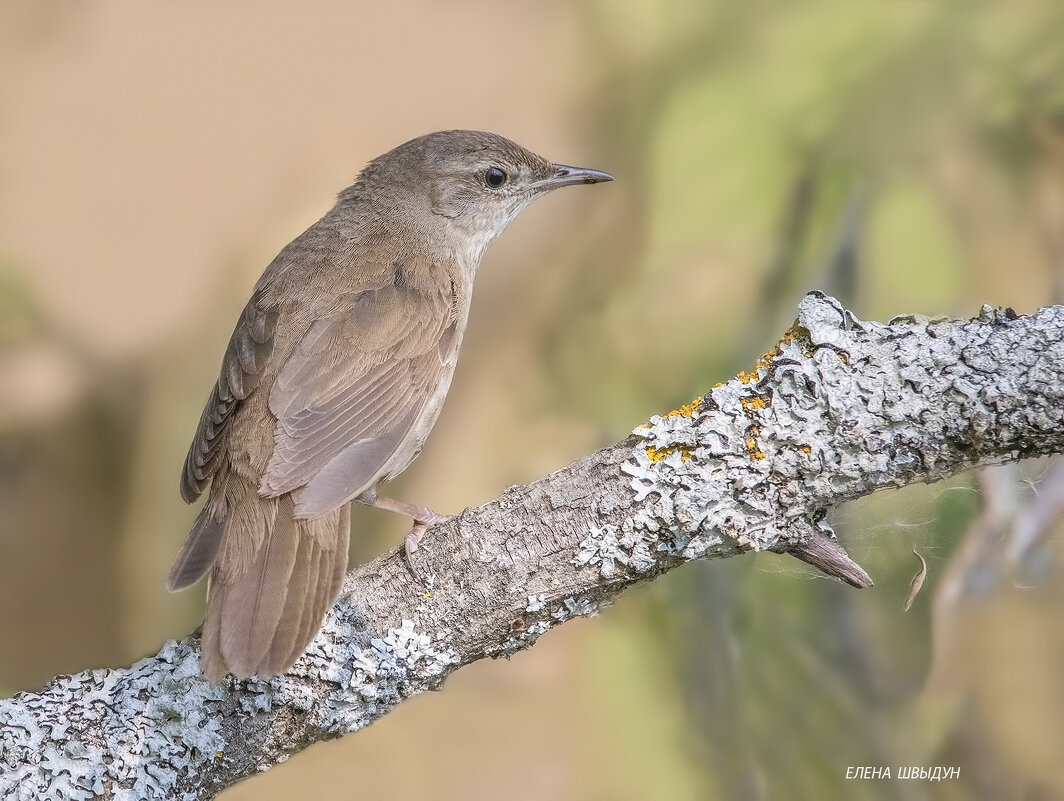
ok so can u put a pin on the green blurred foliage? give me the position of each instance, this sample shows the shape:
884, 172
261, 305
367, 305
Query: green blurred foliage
905, 155
928, 139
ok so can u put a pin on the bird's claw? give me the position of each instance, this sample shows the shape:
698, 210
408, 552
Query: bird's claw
413, 540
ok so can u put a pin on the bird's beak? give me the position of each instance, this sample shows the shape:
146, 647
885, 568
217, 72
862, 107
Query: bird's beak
570, 176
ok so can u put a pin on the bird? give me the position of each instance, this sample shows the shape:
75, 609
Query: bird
334, 376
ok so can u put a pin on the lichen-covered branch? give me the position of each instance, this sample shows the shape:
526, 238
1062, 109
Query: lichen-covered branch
839, 409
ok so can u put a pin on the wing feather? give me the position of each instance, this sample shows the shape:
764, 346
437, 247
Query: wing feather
352, 389
245, 359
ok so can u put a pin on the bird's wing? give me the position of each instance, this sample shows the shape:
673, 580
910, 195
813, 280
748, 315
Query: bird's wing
248, 352
352, 389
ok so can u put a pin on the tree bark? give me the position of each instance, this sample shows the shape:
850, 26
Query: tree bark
838, 409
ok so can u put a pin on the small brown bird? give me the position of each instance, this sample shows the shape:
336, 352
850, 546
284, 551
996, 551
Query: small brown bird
331, 382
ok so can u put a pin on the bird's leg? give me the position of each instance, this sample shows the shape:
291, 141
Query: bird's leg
422, 516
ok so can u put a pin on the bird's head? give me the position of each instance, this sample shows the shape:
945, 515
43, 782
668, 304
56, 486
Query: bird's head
473, 182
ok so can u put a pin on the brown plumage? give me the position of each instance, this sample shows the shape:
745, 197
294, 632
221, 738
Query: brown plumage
331, 382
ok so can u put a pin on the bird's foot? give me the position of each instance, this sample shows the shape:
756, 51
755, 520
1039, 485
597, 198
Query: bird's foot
423, 518
421, 525
413, 539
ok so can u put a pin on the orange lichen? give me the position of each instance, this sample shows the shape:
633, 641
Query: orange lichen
756, 402
657, 454
753, 450
687, 410
750, 405
805, 449
767, 357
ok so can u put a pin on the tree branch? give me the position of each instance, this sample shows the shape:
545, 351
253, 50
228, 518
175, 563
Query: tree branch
839, 409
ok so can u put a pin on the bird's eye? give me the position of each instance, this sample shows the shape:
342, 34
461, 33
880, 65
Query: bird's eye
494, 177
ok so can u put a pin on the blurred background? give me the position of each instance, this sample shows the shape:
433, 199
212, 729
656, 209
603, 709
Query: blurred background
905, 156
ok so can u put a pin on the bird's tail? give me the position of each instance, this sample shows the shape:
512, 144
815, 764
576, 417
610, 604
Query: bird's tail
272, 579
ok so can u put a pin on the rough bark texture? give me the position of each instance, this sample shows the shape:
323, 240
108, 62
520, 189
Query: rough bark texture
839, 409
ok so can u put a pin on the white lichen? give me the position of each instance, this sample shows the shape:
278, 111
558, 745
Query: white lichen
523, 639
841, 407
392, 668
133, 733
837, 408
130, 733
574, 607
612, 548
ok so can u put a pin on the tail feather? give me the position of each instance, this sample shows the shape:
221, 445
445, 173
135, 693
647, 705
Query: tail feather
255, 597
330, 564
199, 551
289, 627
211, 661
338, 565
273, 582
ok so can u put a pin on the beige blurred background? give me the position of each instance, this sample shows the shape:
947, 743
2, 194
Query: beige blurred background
907, 156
